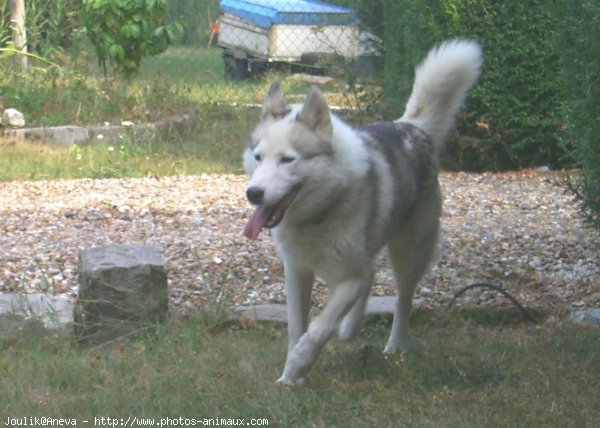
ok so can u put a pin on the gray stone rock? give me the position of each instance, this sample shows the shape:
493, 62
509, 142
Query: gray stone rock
271, 312
543, 169
64, 135
69, 134
376, 305
12, 118
381, 305
587, 317
122, 290
52, 310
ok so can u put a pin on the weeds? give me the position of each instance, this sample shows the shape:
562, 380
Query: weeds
52, 96
463, 369
458, 373
189, 155
75, 93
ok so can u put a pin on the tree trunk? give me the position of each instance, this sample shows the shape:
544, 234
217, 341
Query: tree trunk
17, 19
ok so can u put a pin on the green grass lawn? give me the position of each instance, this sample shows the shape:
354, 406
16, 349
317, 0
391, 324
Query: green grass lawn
180, 80
214, 146
463, 370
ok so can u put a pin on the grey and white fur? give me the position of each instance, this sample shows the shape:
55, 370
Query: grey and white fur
334, 196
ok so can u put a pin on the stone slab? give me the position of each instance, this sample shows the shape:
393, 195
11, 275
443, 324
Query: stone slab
69, 134
376, 305
271, 312
52, 310
57, 310
587, 317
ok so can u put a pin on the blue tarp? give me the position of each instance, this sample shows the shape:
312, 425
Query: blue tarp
265, 13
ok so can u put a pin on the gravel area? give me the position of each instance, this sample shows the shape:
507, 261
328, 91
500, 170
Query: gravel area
518, 229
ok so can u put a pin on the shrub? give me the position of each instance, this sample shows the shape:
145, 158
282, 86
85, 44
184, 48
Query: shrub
579, 47
406, 39
512, 116
124, 31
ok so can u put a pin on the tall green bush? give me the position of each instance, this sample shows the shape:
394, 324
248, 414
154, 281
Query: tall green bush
579, 47
512, 116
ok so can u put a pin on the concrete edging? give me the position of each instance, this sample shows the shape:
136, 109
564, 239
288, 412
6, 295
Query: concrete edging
57, 310
69, 134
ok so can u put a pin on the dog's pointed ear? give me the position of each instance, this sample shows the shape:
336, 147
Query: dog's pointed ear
315, 114
275, 105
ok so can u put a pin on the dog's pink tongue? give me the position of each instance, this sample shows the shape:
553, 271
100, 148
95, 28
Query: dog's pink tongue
256, 223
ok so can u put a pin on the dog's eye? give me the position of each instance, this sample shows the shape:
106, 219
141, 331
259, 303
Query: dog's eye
257, 157
287, 159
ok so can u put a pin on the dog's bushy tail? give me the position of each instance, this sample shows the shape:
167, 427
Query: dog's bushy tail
441, 84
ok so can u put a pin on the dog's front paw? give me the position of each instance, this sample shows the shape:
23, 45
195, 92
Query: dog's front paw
394, 355
393, 350
289, 382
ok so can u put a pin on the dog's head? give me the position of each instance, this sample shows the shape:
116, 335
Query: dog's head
287, 143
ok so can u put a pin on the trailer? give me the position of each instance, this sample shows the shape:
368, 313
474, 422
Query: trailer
255, 34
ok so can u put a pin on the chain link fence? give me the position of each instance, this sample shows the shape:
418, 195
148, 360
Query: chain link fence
252, 35
222, 41
256, 35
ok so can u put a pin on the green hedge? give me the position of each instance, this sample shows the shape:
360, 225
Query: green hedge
512, 117
579, 47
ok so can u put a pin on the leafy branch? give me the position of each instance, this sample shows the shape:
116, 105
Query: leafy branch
124, 31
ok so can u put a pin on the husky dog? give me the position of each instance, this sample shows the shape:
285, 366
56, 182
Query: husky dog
334, 195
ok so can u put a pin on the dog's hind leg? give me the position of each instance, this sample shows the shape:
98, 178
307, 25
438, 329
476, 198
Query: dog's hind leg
411, 252
352, 321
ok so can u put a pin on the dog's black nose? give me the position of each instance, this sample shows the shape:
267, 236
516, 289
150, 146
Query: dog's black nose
255, 195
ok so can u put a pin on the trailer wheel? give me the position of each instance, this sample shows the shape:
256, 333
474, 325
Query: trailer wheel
235, 68
257, 67
320, 59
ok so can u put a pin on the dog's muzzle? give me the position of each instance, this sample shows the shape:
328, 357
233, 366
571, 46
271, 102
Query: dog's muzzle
266, 216
255, 195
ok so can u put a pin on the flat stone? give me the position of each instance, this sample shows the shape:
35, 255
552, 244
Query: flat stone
269, 312
587, 317
52, 310
376, 305
64, 135
381, 305
114, 134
